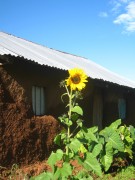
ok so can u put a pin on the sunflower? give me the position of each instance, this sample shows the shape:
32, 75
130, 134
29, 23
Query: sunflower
77, 79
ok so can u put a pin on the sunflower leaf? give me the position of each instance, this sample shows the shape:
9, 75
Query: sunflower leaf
78, 110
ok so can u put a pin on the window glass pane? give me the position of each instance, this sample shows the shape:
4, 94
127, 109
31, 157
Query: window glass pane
122, 108
42, 102
97, 110
38, 100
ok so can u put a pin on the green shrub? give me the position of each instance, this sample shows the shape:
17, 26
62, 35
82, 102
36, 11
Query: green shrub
87, 152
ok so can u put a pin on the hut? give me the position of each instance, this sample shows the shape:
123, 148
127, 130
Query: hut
30, 74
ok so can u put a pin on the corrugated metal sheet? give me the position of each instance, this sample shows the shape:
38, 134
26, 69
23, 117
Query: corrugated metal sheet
15, 46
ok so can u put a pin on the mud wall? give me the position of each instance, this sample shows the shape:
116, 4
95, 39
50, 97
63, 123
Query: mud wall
110, 106
130, 109
24, 75
24, 138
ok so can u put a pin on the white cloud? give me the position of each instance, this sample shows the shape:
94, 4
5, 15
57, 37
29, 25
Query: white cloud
128, 18
103, 14
124, 1
131, 27
123, 18
116, 6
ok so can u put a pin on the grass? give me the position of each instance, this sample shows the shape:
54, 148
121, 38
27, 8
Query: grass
125, 174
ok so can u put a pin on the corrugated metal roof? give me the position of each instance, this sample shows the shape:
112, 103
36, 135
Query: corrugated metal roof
15, 46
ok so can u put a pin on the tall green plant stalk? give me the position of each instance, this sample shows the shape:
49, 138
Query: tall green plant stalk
73, 85
69, 118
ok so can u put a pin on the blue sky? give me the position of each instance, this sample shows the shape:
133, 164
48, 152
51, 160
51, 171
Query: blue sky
100, 30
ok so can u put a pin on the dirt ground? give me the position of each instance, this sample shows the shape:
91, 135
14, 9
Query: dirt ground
23, 172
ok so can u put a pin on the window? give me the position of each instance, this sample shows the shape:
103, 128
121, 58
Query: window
122, 108
38, 100
98, 110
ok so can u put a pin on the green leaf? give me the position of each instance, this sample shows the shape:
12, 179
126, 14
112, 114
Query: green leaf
115, 124
97, 149
122, 129
79, 122
83, 175
91, 146
89, 134
93, 129
64, 172
74, 117
91, 163
73, 95
101, 140
129, 151
82, 149
78, 110
54, 157
75, 145
107, 159
68, 122
116, 141
129, 139
80, 134
113, 137
132, 131
43, 176
57, 139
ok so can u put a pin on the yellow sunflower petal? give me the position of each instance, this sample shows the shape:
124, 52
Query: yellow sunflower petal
77, 79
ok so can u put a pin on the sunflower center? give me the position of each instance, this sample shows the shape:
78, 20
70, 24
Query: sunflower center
76, 79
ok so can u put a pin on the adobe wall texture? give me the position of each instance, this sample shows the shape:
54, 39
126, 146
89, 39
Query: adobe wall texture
110, 111
24, 139
24, 75
130, 109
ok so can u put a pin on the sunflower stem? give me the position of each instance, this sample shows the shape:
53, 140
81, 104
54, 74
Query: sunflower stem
67, 90
69, 118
